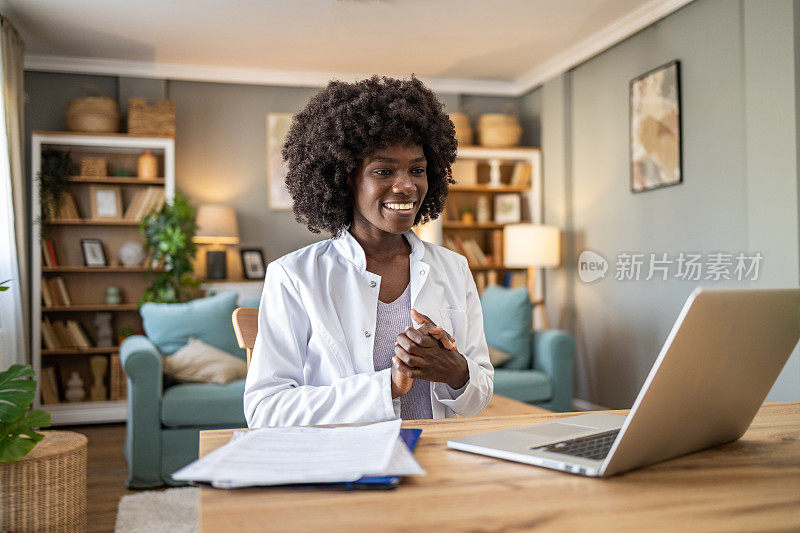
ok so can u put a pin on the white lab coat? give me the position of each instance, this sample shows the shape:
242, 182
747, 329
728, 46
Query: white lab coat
312, 360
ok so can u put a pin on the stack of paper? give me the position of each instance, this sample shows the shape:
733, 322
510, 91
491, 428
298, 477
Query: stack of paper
279, 456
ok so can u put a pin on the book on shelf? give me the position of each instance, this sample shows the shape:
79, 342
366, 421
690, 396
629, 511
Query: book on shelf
144, 201
47, 297
78, 335
63, 335
57, 291
49, 336
480, 281
49, 385
516, 279
497, 246
69, 208
522, 174
48, 254
117, 380
491, 277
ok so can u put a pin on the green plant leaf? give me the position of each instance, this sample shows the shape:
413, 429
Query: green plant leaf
3, 286
18, 438
16, 392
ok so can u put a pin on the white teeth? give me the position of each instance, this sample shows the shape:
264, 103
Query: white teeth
399, 207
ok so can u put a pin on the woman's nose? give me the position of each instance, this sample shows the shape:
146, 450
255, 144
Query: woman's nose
404, 184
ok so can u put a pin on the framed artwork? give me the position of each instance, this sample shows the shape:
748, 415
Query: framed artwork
93, 253
106, 201
655, 128
253, 265
507, 208
277, 130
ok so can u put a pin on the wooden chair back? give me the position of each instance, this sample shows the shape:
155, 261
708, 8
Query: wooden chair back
245, 324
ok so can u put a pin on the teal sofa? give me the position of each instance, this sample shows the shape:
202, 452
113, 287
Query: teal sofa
164, 418
540, 369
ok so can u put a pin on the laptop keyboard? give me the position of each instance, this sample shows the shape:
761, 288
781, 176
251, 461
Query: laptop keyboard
591, 447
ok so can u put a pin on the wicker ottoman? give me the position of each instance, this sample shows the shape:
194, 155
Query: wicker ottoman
46, 489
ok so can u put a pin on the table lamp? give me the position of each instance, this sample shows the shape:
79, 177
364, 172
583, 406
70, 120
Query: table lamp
532, 246
216, 226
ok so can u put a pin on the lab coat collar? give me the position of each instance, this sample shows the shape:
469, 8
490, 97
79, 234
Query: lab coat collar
348, 246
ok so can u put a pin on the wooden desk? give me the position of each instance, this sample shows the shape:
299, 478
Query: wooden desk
750, 484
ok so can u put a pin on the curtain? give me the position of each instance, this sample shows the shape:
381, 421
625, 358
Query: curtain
15, 302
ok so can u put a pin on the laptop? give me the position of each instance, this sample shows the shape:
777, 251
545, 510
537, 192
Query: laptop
714, 371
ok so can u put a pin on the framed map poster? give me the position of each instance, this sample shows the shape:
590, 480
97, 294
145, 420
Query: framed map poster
277, 130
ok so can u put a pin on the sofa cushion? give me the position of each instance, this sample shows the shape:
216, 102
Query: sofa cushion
198, 362
170, 326
204, 404
523, 385
507, 323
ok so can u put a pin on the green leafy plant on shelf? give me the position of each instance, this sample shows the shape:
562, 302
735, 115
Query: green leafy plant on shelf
57, 167
169, 244
17, 419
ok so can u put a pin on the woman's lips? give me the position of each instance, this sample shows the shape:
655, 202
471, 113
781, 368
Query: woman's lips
401, 208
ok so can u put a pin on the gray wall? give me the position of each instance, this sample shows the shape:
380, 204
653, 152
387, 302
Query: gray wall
739, 192
220, 141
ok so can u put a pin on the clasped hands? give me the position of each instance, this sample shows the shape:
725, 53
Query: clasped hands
429, 353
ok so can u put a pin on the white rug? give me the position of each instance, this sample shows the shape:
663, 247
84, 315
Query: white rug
154, 511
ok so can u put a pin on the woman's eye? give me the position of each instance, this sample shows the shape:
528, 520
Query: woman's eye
420, 170
383, 171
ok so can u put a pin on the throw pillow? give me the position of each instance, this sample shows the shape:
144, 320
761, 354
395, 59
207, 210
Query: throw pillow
498, 357
170, 326
202, 363
507, 323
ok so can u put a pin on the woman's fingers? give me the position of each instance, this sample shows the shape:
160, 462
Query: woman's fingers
403, 368
409, 359
429, 327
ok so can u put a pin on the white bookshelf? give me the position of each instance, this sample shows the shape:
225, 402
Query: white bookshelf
115, 145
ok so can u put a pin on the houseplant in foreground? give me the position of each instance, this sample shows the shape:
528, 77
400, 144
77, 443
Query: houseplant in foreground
17, 419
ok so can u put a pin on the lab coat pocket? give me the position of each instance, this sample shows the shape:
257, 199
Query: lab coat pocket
454, 321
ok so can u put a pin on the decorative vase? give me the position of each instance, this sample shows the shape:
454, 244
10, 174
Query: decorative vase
103, 331
74, 392
113, 295
468, 217
148, 165
131, 254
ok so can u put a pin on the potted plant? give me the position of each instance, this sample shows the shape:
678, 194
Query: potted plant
53, 178
467, 215
17, 419
169, 243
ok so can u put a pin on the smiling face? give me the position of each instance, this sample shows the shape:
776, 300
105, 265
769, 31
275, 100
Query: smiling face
388, 189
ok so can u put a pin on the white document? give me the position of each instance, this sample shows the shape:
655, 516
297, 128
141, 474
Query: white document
277, 456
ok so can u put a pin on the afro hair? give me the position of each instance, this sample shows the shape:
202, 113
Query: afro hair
344, 123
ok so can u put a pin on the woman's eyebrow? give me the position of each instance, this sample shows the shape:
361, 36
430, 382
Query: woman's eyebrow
392, 160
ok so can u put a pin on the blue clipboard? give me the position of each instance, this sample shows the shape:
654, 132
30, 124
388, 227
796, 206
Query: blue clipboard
409, 436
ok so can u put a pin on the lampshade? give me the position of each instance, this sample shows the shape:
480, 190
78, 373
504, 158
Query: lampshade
216, 224
531, 245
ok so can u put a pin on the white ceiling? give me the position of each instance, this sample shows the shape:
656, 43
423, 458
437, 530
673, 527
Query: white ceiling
478, 46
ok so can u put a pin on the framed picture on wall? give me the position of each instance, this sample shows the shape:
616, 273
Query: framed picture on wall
253, 265
655, 128
277, 130
507, 208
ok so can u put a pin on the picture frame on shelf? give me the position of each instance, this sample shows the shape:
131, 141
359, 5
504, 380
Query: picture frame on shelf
106, 202
277, 129
507, 208
253, 264
93, 253
655, 129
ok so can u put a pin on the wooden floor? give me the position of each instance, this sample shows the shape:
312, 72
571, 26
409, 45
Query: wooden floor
106, 473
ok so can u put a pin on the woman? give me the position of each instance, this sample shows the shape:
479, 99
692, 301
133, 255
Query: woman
373, 324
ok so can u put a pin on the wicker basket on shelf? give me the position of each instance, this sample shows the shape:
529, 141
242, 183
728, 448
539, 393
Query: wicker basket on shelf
93, 114
151, 120
94, 166
46, 489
